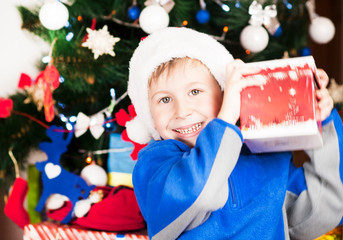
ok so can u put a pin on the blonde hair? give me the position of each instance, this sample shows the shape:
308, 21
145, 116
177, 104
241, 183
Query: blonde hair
168, 67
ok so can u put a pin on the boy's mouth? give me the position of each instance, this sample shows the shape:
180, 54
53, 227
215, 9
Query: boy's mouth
189, 130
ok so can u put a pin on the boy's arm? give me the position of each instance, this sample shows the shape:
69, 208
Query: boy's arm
177, 188
318, 208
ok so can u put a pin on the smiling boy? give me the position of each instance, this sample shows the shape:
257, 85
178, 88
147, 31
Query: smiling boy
198, 180
175, 95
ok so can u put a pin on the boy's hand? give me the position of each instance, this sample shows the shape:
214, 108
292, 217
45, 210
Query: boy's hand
235, 83
324, 100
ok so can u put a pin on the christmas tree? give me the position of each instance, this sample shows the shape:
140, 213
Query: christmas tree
83, 78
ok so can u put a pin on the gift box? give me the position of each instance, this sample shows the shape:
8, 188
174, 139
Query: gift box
280, 115
120, 164
49, 230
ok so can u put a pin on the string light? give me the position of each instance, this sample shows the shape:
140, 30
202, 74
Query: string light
46, 59
79, 18
225, 7
238, 4
69, 36
61, 79
72, 119
247, 52
288, 5
89, 158
225, 29
69, 126
63, 118
185, 23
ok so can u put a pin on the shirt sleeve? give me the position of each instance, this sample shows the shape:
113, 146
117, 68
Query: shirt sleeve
316, 207
178, 187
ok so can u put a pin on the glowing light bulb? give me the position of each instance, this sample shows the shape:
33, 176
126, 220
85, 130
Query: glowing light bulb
69, 36
89, 159
46, 59
225, 7
72, 119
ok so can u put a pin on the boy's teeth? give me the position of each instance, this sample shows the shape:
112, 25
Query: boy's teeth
194, 128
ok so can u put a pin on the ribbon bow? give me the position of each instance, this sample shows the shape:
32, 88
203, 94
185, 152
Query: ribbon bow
166, 4
93, 123
122, 118
261, 16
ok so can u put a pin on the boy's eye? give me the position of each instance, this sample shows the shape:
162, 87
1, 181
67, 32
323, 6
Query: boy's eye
195, 92
165, 100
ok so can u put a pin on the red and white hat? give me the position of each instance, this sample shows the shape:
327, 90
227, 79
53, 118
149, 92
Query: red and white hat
160, 47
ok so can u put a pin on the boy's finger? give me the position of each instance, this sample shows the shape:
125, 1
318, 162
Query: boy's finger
323, 78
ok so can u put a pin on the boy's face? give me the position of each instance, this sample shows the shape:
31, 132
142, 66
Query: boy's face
184, 101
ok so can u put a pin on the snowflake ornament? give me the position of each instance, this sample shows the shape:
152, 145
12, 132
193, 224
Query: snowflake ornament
100, 42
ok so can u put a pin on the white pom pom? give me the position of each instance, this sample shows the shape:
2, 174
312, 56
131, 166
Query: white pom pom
56, 201
94, 175
137, 131
82, 207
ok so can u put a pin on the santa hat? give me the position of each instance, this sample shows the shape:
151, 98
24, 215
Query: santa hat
161, 47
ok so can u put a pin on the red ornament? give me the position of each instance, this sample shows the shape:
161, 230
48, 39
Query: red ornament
6, 106
49, 80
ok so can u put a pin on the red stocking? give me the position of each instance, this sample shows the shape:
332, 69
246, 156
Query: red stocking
14, 208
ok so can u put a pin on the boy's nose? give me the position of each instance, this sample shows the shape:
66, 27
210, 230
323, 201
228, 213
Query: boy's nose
182, 109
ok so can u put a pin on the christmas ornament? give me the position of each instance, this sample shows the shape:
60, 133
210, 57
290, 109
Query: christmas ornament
321, 29
254, 38
40, 91
94, 175
305, 51
57, 180
134, 12
14, 206
6, 107
53, 15
266, 17
94, 123
203, 16
153, 18
100, 42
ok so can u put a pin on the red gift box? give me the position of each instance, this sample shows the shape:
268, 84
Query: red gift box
49, 231
280, 115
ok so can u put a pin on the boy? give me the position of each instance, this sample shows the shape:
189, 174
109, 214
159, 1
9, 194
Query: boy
198, 180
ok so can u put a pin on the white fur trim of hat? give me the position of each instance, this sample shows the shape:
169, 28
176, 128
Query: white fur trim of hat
160, 47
